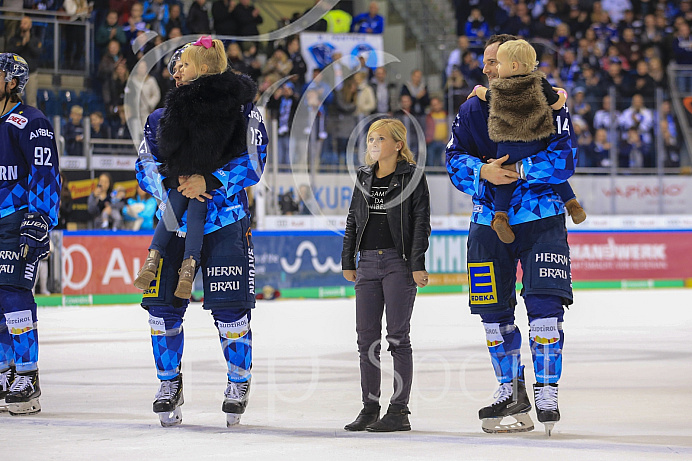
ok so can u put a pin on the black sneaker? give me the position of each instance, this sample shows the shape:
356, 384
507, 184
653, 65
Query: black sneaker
396, 419
368, 415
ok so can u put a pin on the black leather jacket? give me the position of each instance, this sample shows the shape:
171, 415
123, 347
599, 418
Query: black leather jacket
409, 218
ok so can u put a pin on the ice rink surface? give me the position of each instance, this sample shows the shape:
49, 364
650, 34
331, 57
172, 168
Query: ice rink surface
625, 394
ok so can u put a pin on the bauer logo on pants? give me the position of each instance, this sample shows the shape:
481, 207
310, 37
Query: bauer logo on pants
482, 283
19, 322
234, 330
544, 331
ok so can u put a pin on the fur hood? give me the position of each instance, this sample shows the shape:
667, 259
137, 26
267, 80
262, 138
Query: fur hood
519, 110
203, 125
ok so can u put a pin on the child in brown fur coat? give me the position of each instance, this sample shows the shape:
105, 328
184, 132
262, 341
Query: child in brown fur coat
521, 117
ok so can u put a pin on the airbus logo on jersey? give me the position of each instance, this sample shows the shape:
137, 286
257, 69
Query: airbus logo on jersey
40, 132
17, 120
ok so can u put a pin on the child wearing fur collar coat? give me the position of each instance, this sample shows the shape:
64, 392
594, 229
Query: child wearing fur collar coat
521, 117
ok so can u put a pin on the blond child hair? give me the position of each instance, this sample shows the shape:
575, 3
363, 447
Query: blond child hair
397, 131
207, 61
521, 52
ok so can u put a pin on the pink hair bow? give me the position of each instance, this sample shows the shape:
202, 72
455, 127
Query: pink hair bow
204, 41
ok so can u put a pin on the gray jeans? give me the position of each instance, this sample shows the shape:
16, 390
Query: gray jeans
384, 278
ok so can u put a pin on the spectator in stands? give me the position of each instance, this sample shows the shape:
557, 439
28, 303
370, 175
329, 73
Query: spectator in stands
628, 46
198, 18
436, 132
380, 88
642, 82
175, 20
99, 130
114, 91
455, 57
668, 127
562, 39
658, 73
651, 35
338, 21
277, 67
27, 45
299, 68
520, 23
74, 34
616, 8
616, 78
598, 154
366, 102
547, 20
156, 14
634, 152
306, 201
410, 121
471, 69
370, 22
222, 12
682, 54
603, 120
149, 92
74, 132
99, 202
457, 90
109, 30
577, 19
139, 211
418, 91
341, 120
639, 117
579, 107
247, 17
106, 68
123, 8
476, 26
570, 71
251, 59
135, 23
235, 58
588, 54
283, 105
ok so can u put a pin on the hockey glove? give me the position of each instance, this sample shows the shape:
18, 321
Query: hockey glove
34, 243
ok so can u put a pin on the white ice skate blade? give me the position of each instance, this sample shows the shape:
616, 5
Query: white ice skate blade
232, 419
171, 418
522, 423
29, 407
548, 428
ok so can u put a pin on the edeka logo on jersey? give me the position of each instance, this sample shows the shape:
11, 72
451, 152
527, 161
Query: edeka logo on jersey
157, 325
492, 334
544, 331
234, 330
153, 290
19, 322
482, 284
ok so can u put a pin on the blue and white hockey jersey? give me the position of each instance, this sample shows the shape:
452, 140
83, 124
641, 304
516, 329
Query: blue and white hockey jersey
470, 147
29, 172
230, 203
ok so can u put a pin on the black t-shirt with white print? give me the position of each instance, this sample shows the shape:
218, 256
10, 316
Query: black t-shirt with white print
376, 235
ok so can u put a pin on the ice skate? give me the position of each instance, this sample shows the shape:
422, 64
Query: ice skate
500, 224
6, 379
575, 210
545, 396
169, 398
235, 401
512, 403
148, 272
22, 398
368, 415
185, 278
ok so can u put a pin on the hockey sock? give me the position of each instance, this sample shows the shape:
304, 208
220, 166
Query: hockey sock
6, 352
236, 342
504, 345
546, 339
22, 328
167, 341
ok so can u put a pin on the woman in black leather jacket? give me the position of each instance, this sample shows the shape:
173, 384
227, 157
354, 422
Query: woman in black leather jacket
389, 225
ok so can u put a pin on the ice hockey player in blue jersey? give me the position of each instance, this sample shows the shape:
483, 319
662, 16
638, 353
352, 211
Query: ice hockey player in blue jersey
537, 217
227, 258
29, 202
